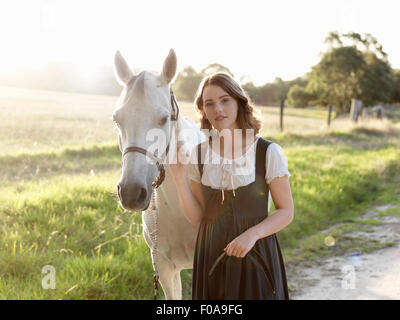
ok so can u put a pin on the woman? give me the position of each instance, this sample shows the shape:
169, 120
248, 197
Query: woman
237, 254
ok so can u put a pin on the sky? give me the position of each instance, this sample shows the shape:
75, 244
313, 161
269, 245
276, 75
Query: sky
256, 40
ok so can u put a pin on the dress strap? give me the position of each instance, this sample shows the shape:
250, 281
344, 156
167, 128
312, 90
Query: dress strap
261, 153
201, 153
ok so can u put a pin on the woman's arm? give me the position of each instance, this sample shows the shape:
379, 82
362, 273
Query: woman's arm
190, 194
280, 218
281, 194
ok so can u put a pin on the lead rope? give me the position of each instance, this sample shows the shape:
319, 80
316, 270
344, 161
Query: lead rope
154, 211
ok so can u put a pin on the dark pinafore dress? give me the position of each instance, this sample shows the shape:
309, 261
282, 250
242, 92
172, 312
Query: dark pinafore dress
261, 273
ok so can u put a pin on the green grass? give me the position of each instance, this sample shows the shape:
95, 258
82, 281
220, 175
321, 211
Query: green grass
58, 204
73, 223
334, 183
89, 159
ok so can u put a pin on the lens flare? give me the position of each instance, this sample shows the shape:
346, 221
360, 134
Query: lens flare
329, 241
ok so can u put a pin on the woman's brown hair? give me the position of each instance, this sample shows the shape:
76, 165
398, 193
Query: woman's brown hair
246, 117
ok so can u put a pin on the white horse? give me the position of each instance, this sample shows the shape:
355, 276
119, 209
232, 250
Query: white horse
144, 104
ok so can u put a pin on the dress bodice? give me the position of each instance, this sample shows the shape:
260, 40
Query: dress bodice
230, 174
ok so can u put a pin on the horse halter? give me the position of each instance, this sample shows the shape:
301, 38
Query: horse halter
174, 117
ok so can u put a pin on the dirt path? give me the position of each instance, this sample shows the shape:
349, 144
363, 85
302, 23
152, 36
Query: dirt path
374, 275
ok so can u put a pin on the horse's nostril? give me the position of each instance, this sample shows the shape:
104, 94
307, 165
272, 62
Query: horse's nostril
142, 195
131, 196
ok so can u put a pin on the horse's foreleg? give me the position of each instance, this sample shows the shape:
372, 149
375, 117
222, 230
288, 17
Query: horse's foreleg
178, 284
170, 278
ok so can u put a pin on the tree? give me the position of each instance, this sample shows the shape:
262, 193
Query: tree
251, 90
396, 95
216, 67
300, 81
378, 82
371, 79
267, 94
369, 43
188, 80
298, 97
336, 79
187, 83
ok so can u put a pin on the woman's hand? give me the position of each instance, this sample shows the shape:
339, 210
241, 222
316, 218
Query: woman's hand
241, 245
178, 167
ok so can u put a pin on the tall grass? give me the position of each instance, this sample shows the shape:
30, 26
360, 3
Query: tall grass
73, 223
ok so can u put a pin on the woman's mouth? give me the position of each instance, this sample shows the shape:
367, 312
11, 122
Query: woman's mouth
220, 118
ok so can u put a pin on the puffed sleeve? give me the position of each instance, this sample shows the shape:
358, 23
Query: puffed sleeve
276, 163
193, 168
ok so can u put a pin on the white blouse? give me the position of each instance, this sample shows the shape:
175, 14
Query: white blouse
224, 173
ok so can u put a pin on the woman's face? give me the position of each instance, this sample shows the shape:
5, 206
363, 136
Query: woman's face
220, 108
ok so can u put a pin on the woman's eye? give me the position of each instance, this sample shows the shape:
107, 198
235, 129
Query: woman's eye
225, 100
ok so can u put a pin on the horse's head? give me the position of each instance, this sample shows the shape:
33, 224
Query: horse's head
143, 109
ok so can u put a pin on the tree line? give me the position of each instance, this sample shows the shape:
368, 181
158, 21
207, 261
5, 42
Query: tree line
357, 69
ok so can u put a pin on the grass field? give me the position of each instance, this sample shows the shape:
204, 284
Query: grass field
59, 163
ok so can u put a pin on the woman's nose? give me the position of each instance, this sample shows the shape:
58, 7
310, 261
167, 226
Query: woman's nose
218, 107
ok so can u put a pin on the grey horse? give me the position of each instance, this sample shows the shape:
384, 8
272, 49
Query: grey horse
144, 106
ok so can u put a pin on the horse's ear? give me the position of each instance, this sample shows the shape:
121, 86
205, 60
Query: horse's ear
169, 68
122, 71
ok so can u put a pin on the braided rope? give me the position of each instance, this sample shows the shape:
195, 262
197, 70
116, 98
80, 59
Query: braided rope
153, 236
153, 208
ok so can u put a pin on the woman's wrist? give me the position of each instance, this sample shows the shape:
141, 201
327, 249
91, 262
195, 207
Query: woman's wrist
178, 174
255, 233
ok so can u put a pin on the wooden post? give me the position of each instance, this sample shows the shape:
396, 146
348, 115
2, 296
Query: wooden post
329, 115
281, 117
355, 109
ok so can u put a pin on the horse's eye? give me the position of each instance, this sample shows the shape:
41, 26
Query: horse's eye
162, 121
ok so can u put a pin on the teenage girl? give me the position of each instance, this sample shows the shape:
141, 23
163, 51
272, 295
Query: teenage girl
226, 190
